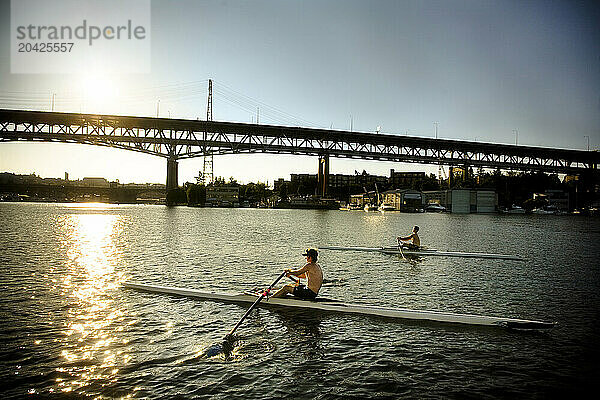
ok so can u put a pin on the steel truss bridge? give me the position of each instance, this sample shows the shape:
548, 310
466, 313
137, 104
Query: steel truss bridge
176, 139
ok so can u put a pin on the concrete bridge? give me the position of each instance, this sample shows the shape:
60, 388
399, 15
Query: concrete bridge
176, 139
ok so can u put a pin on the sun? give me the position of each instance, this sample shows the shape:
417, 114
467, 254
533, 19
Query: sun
100, 94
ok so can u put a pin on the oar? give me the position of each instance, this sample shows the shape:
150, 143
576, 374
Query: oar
227, 345
400, 249
253, 306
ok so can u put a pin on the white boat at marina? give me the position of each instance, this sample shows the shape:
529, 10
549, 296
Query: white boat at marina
370, 207
435, 207
345, 206
547, 210
424, 252
386, 207
515, 210
325, 305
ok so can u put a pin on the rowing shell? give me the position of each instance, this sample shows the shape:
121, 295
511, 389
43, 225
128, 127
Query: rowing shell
425, 252
341, 307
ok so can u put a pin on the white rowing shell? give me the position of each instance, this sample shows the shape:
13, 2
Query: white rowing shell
336, 306
426, 252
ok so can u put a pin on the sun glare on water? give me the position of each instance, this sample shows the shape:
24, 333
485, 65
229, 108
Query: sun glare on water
92, 339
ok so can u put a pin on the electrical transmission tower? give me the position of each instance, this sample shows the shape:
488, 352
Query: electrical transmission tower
207, 170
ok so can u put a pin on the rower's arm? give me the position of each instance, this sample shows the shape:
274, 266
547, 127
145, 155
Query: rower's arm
405, 238
300, 273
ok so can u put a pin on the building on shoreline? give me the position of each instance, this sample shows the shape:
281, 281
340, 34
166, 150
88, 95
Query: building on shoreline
463, 201
34, 188
343, 183
406, 200
95, 182
222, 196
406, 179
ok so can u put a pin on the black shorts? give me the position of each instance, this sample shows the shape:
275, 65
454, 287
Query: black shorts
304, 293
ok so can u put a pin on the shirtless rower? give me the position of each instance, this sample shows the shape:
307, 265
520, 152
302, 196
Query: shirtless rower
314, 278
414, 236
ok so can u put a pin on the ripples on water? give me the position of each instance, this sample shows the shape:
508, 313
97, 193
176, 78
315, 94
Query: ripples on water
68, 328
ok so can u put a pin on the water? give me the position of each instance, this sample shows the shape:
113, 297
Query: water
68, 328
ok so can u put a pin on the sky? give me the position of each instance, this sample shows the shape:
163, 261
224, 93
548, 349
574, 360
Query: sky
481, 70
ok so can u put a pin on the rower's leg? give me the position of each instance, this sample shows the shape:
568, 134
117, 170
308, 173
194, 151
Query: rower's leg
283, 291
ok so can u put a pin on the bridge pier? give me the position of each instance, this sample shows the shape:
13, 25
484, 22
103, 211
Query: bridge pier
323, 176
172, 181
172, 178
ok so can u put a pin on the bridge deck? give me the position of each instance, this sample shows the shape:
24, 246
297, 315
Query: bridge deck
179, 138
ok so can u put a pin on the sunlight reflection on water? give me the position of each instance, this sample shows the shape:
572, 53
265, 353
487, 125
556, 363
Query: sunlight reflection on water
91, 344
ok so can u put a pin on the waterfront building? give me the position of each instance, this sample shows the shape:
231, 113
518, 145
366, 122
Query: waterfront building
223, 196
95, 182
405, 179
362, 199
464, 201
406, 200
358, 200
277, 184
338, 181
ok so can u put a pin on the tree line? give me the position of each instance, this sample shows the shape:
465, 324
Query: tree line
195, 194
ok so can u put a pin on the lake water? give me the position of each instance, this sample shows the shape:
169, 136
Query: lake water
68, 327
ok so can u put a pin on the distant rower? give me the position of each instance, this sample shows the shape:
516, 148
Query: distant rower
414, 236
314, 278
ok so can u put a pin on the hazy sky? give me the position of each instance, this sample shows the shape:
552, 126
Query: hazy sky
481, 69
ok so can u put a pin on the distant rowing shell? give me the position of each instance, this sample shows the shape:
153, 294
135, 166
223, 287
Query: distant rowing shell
425, 252
348, 308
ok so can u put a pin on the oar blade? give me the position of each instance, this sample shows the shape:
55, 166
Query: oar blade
224, 347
